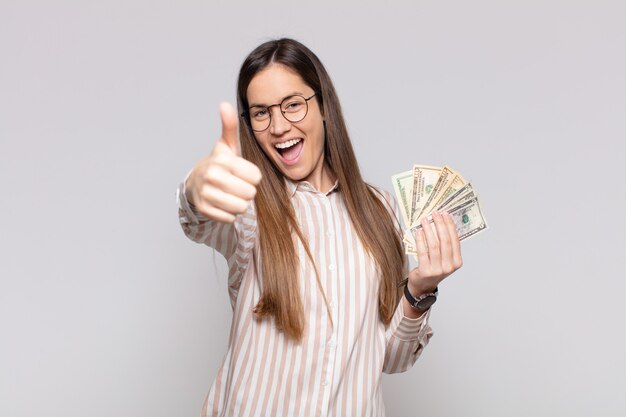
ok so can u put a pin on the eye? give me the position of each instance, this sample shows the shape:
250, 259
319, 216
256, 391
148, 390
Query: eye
259, 113
293, 106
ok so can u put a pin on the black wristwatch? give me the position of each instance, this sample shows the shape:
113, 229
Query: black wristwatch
423, 302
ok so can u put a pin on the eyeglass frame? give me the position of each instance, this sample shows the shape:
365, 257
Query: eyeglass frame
246, 113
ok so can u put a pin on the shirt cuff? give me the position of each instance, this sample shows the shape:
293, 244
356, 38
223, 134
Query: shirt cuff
409, 329
188, 214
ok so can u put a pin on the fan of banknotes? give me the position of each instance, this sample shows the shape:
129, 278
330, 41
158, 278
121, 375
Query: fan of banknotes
425, 188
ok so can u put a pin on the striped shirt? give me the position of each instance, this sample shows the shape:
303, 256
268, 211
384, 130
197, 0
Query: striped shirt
334, 370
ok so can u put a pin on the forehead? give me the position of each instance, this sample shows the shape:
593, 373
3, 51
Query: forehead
274, 83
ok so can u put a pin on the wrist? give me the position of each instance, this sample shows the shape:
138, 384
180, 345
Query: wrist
418, 289
420, 302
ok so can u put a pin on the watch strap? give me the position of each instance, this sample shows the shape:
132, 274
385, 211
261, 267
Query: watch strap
424, 301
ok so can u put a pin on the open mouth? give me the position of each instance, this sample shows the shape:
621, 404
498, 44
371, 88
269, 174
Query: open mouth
290, 150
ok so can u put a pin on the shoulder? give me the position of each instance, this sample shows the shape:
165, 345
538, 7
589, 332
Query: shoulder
388, 200
383, 195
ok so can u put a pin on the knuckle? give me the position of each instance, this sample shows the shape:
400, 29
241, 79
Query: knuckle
250, 193
215, 176
222, 158
216, 214
206, 210
208, 195
257, 175
211, 172
434, 272
242, 205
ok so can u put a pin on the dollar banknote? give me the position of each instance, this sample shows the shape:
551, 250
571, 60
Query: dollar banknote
463, 194
443, 180
467, 217
403, 186
425, 189
457, 183
424, 179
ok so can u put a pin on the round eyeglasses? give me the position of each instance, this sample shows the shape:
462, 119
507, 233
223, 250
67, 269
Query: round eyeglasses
293, 108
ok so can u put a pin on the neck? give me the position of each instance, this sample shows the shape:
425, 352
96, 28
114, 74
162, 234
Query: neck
322, 179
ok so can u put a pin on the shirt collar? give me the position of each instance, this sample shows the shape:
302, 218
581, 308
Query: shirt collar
292, 187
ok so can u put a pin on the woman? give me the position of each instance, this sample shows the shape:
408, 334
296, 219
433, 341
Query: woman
315, 256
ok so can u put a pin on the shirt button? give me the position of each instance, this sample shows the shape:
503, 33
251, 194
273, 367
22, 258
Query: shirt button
332, 344
331, 305
325, 383
331, 267
329, 234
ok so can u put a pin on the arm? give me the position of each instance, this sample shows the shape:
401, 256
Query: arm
406, 338
229, 239
214, 201
439, 256
235, 241
408, 332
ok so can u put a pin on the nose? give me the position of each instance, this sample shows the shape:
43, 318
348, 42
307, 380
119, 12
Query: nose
278, 124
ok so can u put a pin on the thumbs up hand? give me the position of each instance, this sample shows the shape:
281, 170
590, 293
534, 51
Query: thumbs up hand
222, 184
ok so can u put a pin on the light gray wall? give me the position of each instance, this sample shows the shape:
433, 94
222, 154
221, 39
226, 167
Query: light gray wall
106, 309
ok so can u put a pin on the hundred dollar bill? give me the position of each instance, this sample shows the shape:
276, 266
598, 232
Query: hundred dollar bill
445, 177
467, 217
424, 179
402, 185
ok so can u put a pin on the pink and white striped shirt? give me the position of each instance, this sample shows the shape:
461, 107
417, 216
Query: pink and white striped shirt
335, 370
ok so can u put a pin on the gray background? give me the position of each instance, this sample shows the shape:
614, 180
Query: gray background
106, 309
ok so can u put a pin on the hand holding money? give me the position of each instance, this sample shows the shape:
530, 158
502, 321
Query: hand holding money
426, 189
438, 250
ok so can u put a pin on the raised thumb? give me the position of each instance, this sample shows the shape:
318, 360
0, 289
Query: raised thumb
229, 126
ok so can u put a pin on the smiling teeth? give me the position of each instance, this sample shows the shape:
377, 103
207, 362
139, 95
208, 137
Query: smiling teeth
287, 144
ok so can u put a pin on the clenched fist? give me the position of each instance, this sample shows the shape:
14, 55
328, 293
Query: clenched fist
222, 184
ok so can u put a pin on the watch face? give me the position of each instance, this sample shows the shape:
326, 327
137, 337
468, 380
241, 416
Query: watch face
426, 302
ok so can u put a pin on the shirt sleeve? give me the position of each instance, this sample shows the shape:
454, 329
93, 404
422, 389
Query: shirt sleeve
406, 338
235, 241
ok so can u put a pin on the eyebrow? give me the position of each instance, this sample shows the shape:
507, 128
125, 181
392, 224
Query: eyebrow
295, 93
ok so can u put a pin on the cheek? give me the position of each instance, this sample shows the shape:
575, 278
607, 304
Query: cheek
265, 149
263, 143
320, 137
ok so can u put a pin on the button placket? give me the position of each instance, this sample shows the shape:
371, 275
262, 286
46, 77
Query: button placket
332, 269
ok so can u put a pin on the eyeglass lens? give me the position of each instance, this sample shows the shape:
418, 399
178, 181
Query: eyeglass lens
293, 108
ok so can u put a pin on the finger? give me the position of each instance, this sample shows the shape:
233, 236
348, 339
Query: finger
229, 127
422, 250
433, 244
445, 247
454, 241
238, 166
246, 170
232, 184
213, 196
216, 214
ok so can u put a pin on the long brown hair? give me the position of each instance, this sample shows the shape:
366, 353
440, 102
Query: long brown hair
280, 297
